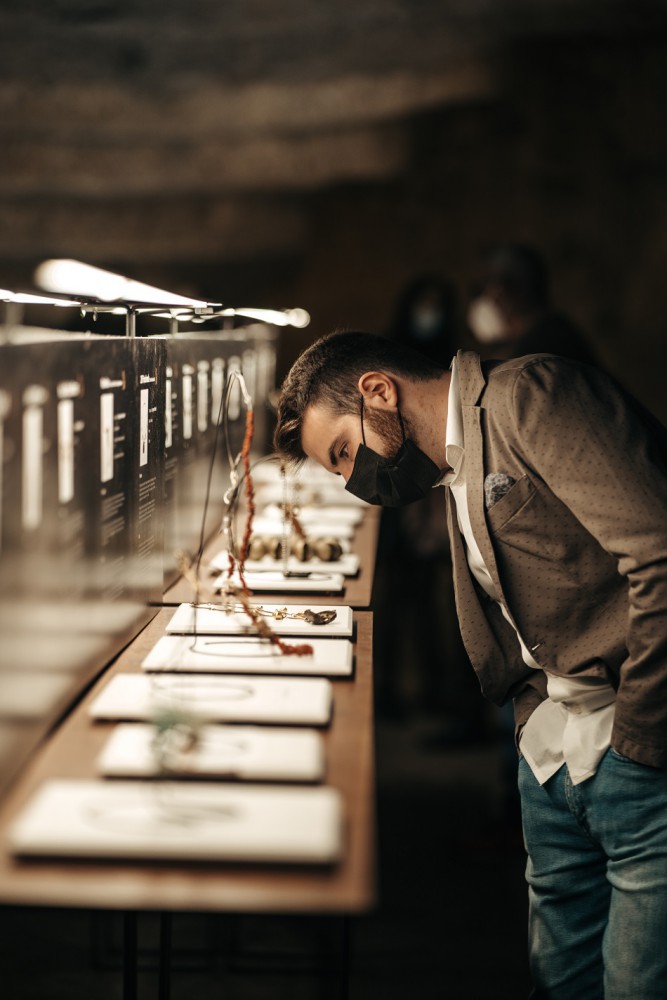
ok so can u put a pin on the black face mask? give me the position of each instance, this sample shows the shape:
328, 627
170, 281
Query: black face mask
391, 482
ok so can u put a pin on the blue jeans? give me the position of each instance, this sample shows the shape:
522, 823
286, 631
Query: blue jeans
597, 877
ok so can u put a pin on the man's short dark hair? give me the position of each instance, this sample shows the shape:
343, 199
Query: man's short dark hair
327, 373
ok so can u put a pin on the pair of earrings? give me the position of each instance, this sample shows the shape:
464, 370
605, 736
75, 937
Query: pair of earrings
327, 549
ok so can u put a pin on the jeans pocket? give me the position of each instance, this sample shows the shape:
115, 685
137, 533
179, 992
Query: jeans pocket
622, 758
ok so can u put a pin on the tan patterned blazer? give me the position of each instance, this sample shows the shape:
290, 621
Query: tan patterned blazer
577, 547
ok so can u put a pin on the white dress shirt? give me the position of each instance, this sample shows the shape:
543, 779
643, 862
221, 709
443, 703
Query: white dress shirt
573, 725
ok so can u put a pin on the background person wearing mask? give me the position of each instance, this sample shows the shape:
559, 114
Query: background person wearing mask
417, 630
510, 312
511, 315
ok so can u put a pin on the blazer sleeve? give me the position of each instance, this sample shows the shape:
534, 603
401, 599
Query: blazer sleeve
579, 434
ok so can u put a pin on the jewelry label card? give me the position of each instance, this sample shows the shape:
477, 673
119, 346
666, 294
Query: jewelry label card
208, 654
301, 582
347, 564
180, 821
296, 620
304, 701
241, 753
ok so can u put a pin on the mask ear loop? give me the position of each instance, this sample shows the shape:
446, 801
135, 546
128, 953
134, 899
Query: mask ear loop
400, 421
361, 415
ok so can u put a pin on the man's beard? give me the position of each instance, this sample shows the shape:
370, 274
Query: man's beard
388, 426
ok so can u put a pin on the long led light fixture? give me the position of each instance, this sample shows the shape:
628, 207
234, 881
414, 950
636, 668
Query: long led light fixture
95, 285
27, 298
279, 317
73, 277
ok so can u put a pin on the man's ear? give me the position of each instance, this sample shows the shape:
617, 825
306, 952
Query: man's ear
379, 390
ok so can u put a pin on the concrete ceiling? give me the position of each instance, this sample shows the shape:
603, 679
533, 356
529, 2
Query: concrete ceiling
197, 129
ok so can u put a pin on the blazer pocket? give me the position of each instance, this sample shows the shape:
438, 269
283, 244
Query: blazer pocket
509, 505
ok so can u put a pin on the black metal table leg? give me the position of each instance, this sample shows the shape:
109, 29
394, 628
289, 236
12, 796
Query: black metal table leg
164, 980
129, 955
345, 954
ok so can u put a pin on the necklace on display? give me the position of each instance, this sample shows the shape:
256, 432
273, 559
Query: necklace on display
278, 614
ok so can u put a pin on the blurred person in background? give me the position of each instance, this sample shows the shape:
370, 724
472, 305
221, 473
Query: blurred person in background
510, 312
418, 630
426, 317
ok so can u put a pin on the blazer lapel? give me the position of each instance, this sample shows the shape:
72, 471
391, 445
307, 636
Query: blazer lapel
475, 472
472, 384
481, 643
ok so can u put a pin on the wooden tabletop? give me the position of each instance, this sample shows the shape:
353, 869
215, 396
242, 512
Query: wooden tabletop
71, 751
356, 593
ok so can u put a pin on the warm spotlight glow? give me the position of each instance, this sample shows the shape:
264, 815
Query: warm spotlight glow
72, 277
27, 298
299, 318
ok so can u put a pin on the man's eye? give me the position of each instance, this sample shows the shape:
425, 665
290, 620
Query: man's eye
343, 452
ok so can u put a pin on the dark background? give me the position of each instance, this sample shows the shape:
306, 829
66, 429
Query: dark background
323, 153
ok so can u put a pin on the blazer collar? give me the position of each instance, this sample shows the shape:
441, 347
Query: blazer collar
471, 378
481, 643
471, 387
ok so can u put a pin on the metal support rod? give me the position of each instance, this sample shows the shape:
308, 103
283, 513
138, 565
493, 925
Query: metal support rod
131, 323
13, 317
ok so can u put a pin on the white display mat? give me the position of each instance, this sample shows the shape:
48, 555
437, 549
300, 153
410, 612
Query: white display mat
225, 654
217, 621
332, 492
347, 564
326, 494
243, 753
180, 821
303, 582
310, 482
309, 485
318, 515
304, 701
